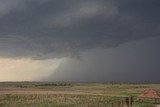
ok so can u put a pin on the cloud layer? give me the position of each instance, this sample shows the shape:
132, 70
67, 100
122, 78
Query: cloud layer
43, 29
39, 37
136, 61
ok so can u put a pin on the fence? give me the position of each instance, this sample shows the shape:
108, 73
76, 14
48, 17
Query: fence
146, 100
123, 102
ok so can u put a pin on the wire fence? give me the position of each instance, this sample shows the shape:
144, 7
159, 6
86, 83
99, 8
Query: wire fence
122, 102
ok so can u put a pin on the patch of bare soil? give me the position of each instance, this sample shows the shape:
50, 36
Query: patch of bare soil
150, 94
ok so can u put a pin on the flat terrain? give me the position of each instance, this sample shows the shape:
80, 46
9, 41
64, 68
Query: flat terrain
45, 94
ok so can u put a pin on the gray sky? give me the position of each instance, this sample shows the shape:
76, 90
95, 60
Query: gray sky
80, 40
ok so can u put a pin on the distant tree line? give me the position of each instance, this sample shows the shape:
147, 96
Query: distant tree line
22, 86
54, 84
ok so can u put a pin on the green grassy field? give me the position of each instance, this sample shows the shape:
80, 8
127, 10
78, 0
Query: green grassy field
41, 94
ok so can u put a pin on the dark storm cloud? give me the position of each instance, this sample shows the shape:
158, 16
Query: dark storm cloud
60, 28
136, 61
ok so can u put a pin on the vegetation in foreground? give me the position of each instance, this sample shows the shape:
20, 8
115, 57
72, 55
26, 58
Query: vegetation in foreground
40, 94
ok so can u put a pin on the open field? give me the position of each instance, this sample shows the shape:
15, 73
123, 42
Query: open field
41, 94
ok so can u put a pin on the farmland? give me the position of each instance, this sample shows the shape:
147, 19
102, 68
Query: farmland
48, 94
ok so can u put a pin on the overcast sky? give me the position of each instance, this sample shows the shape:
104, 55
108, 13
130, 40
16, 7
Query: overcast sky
80, 40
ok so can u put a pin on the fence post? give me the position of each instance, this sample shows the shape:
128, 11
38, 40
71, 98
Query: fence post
131, 101
122, 103
155, 101
127, 101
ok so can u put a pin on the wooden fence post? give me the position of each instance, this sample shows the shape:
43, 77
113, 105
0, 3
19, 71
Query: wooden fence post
122, 103
127, 101
131, 101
